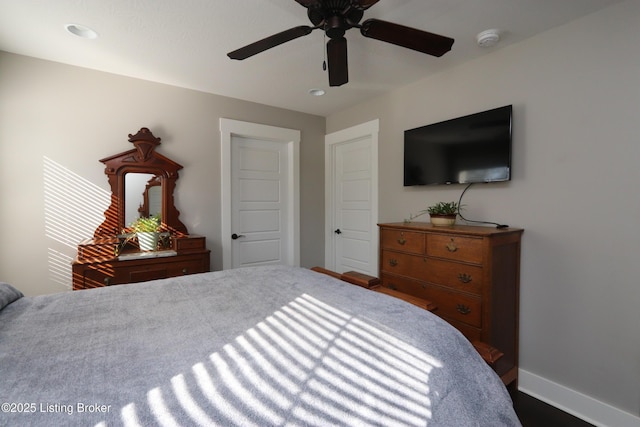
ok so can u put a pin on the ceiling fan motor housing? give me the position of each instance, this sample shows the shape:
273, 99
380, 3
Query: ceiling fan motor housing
335, 17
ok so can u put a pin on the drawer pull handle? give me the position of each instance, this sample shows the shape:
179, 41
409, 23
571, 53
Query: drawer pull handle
463, 309
401, 240
393, 262
451, 246
185, 271
107, 281
392, 286
464, 277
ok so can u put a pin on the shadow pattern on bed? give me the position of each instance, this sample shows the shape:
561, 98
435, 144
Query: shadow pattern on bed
256, 346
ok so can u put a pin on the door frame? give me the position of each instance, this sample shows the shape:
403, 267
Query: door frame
291, 137
365, 130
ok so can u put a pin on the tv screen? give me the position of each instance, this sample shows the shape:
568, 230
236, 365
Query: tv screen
469, 149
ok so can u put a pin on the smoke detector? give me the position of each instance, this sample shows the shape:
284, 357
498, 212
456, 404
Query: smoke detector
488, 38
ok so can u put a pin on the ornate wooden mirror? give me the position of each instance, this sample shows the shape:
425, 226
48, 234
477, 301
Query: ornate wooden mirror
142, 184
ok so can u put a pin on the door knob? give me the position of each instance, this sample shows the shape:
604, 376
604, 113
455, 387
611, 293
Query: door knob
235, 236
337, 231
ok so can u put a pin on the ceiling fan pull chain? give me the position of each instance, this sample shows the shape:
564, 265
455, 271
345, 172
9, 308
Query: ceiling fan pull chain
324, 50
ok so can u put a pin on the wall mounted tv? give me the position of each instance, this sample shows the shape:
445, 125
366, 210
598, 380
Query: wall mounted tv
469, 149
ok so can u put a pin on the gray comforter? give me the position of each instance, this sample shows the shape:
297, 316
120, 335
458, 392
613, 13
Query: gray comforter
253, 346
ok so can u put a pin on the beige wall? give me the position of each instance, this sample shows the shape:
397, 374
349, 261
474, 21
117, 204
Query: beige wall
576, 102
576, 97
60, 120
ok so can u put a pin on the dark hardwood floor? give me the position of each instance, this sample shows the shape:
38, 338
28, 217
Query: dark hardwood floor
535, 413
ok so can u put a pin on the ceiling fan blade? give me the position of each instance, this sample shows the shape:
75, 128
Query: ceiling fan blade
411, 38
269, 42
310, 3
337, 61
363, 4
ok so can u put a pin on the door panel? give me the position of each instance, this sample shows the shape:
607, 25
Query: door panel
259, 252
257, 190
259, 221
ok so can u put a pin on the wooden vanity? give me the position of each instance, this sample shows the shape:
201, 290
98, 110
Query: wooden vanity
112, 256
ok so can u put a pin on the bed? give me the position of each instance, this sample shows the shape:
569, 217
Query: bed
256, 346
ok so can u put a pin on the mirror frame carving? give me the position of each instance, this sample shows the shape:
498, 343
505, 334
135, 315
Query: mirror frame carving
141, 159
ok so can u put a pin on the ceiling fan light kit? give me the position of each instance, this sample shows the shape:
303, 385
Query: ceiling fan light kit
335, 17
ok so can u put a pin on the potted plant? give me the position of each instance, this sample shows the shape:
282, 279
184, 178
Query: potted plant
443, 213
148, 232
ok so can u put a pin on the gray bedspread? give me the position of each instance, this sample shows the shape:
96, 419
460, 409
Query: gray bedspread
255, 346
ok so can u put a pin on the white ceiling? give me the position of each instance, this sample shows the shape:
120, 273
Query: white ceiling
184, 42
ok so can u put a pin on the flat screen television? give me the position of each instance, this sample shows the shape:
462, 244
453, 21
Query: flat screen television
469, 149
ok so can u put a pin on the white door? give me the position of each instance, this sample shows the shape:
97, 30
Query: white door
260, 213
259, 202
352, 199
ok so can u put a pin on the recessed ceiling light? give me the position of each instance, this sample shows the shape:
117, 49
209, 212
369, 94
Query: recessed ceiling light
488, 38
81, 31
316, 92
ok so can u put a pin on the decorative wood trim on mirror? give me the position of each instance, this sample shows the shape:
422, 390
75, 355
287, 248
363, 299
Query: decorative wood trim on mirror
142, 159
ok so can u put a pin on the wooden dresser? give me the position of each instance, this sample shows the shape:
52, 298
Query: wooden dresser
469, 274
96, 266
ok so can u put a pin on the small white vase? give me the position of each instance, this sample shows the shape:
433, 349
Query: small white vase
148, 241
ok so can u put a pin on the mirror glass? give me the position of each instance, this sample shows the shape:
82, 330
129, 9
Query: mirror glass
143, 196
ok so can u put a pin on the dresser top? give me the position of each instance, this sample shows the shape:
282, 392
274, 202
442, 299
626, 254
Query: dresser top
455, 229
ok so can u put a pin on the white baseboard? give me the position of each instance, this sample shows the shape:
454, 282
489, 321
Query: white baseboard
575, 403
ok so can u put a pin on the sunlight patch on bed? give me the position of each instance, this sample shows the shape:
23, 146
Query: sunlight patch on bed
159, 408
307, 363
217, 397
187, 401
129, 416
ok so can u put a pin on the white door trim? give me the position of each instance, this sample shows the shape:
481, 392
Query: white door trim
364, 130
291, 137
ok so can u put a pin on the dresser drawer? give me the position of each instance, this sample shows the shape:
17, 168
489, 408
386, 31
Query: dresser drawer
188, 266
406, 241
468, 249
465, 277
404, 285
403, 264
89, 278
472, 333
454, 305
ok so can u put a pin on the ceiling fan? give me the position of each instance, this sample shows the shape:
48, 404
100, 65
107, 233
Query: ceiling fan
335, 17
